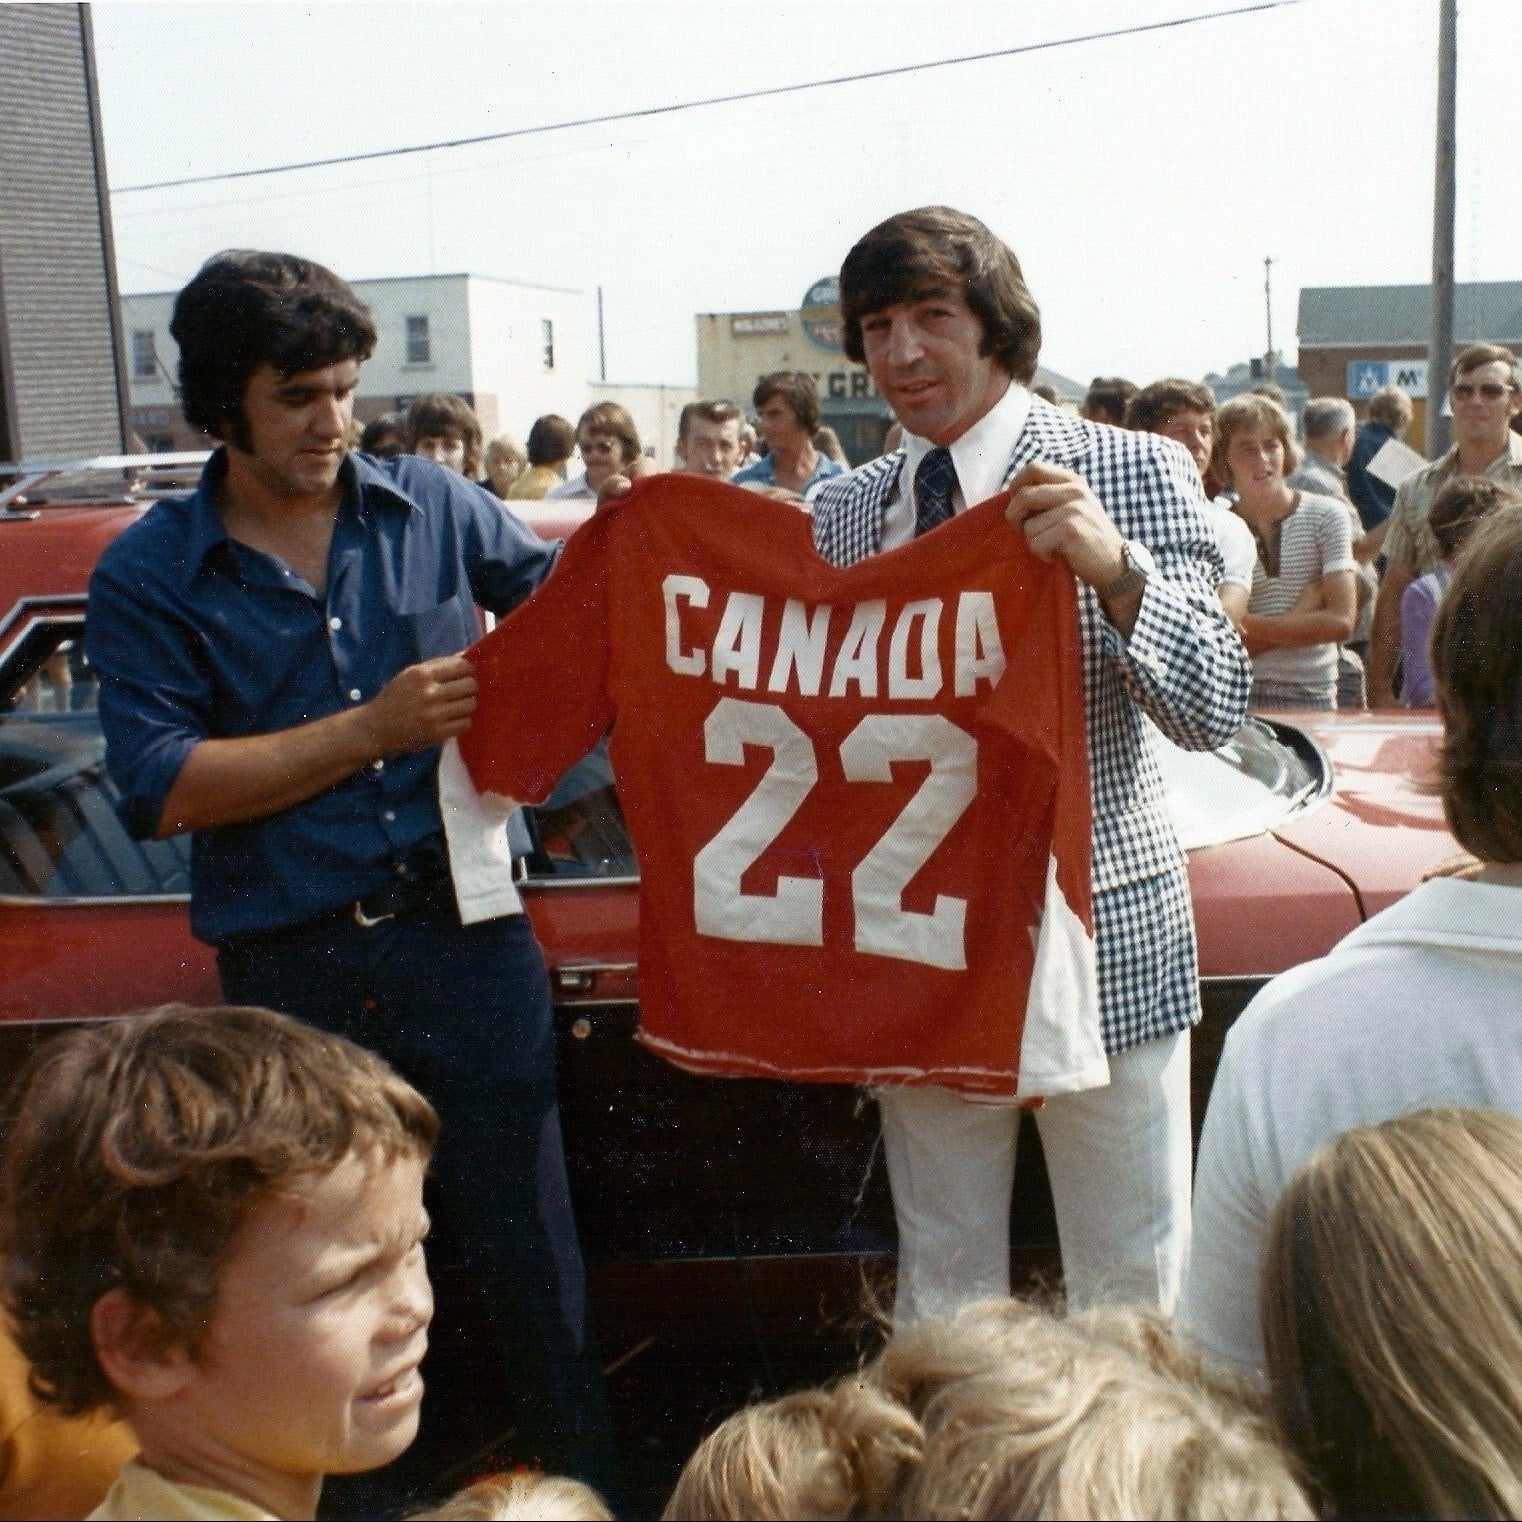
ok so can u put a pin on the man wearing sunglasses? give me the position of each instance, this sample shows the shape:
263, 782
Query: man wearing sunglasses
1485, 390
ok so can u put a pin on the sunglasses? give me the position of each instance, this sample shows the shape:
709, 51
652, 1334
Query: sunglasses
1492, 391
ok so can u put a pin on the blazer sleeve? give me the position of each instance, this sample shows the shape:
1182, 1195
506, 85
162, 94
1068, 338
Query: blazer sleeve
1183, 663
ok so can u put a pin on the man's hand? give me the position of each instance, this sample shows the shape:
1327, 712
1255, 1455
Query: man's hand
421, 705
1061, 517
230, 781
613, 488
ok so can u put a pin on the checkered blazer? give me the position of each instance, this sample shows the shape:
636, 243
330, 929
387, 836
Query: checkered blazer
1183, 666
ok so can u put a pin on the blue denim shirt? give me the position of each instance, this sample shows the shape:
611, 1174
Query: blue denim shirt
195, 635
764, 473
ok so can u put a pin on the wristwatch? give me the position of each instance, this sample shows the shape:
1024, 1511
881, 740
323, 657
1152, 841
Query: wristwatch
1139, 565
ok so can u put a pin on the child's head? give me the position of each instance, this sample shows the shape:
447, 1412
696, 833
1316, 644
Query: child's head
509, 1497
1029, 1414
211, 1221
1461, 505
1080, 1421
1392, 1317
840, 1451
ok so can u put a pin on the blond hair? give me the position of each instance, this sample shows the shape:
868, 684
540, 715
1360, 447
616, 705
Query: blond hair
509, 1497
1251, 410
1392, 1316
843, 1450
1102, 1414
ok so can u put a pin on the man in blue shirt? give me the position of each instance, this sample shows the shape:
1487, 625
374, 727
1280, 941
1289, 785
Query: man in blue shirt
787, 413
1388, 417
279, 662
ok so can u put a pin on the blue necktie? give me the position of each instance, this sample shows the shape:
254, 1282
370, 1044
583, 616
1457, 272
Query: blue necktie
934, 483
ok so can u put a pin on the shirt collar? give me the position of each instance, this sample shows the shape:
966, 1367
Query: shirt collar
1510, 456
981, 454
365, 482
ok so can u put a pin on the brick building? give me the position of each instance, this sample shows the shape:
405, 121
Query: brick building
1354, 339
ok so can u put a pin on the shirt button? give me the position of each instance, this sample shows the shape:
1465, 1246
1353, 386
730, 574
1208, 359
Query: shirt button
377, 766
335, 624
354, 694
389, 816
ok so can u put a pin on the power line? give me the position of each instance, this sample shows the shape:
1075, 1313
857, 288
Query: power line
712, 100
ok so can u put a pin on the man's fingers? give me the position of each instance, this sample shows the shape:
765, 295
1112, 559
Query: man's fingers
444, 668
1039, 473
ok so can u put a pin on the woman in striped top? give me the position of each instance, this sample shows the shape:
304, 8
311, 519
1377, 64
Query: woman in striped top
1304, 598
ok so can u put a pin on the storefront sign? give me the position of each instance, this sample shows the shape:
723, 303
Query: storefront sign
759, 324
1366, 376
820, 314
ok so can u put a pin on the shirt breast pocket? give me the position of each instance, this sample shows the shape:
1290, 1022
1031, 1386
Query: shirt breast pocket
443, 630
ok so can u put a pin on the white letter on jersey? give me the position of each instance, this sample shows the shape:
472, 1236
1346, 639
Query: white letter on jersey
883, 925
800, 648
980, 651
857, 660
794, 916
928, 683
737, 645
684, 663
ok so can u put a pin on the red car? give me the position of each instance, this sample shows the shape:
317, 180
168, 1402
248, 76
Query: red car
752, 1193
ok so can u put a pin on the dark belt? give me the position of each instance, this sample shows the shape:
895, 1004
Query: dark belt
422, 881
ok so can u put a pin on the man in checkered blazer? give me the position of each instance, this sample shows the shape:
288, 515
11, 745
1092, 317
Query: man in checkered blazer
937, 309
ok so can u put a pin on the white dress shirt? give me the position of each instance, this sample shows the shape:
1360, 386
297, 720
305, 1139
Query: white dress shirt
980, 456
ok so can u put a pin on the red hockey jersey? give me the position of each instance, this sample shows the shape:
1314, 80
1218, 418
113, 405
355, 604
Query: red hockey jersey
858, 796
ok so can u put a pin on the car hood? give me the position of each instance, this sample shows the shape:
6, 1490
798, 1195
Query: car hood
1381, 826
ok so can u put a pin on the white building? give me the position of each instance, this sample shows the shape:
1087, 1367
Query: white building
513, 351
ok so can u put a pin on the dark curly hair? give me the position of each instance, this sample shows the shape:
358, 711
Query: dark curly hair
247, 308
937, 247
1477, 673
138, 1146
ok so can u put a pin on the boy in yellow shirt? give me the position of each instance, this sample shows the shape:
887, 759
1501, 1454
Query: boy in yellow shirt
212, 1223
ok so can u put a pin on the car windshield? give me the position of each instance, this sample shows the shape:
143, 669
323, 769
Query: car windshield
1247, 786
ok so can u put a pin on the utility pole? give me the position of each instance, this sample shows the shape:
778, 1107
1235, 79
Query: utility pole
1268, 317
1444, 195
602, 352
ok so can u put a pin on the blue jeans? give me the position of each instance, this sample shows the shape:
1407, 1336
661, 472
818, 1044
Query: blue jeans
463, 1012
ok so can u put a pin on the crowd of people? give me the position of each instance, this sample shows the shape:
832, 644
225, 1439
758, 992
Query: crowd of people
212, 1220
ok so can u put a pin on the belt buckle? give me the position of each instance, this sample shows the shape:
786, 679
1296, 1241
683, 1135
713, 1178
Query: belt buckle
365, 921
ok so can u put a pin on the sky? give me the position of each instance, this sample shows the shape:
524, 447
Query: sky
1142, 180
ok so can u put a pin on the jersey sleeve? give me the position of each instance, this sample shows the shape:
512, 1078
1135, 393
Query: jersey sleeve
542, 698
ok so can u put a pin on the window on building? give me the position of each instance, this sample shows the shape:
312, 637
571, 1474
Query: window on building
145, 360
419, 341
547, 330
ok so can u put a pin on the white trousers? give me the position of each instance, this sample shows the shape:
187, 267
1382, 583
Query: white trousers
1119, 1162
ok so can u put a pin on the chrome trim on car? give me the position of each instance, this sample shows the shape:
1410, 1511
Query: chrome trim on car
579, 882
65, 603
39, 900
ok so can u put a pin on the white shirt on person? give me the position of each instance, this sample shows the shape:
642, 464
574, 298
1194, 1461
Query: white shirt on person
574, 490
1418, 1007
981, 457
1238, 547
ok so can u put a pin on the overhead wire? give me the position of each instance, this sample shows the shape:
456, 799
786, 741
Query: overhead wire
767, 92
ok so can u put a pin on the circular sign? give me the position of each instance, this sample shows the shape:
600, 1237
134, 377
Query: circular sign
820, 314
